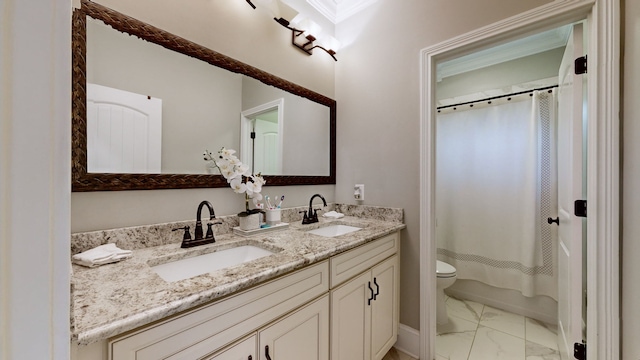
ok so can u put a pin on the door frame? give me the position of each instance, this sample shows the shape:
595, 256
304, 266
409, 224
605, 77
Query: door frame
603, 168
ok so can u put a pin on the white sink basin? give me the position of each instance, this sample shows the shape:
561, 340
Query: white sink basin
202, 264
334, 230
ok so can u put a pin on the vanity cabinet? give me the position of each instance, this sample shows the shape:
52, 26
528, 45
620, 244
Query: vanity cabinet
344, 308
203, 331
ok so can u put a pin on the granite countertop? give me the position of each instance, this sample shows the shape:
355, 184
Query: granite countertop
114, 298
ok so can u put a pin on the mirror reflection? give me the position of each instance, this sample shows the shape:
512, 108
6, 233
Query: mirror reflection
155, 111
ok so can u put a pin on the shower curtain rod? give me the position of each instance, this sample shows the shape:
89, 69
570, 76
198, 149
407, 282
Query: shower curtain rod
497, 97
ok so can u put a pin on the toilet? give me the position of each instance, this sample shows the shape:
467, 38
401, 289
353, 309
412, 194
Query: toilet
446, 276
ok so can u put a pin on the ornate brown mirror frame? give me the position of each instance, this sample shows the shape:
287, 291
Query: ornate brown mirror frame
83, 181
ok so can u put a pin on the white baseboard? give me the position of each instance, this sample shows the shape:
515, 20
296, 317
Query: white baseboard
408, 341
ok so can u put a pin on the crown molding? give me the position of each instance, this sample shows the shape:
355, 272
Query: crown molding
338, 10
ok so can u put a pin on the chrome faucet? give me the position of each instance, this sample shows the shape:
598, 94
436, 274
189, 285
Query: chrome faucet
311, 216
199, 240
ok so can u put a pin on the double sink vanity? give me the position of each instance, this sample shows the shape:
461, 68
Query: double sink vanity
327, 290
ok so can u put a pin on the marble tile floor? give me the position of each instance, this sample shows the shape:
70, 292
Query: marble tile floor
479, 332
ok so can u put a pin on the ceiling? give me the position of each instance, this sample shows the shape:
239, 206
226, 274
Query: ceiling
338, 10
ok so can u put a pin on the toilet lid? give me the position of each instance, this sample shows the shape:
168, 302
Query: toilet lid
444, 269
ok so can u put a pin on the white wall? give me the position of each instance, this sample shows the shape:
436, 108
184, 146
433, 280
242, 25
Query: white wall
35, 139
377, 89
234, 29
630, 247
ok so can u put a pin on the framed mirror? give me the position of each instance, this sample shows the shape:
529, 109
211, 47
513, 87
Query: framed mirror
204, 100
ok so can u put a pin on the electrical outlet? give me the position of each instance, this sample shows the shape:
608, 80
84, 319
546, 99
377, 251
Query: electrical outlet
358, 192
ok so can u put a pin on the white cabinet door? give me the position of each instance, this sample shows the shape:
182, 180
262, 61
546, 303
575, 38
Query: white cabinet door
303, 334
384, 307
351, 319
243, 350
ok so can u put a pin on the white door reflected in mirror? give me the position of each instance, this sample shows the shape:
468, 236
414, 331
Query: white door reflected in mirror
124, 131
261, 141
266, 149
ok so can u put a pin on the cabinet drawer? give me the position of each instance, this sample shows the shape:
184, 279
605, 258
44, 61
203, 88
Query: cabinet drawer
202, 331
353, 262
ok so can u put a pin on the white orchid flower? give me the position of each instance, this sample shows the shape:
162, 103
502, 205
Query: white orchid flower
226, 153
257, 183
237, 185
234, 161
239, 170
253, 188
259, 180
236, 172
229, 174
222, 164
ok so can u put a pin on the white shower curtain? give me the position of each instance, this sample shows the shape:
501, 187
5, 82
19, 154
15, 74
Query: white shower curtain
495, 183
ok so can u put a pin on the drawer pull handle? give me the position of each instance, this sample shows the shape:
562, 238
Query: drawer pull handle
377, 289
250, 357
372, 296
266, 352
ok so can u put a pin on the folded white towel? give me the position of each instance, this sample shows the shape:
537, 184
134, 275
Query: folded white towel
100, 255
333, 215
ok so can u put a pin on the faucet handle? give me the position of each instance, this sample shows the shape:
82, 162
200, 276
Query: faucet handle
210, 229
315, 214
187, 234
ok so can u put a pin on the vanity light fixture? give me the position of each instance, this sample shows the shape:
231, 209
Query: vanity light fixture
306, 40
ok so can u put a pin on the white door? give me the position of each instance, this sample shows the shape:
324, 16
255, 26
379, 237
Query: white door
570, 162
124, 131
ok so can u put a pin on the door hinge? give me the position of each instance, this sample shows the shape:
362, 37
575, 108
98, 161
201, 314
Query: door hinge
580, 350
580, 208
580, 65
253, 134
